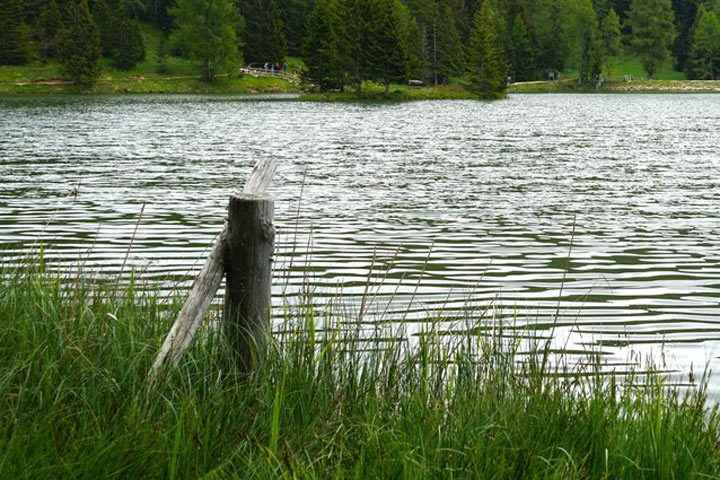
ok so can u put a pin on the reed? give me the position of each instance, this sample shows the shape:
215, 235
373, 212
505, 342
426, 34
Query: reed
332, 400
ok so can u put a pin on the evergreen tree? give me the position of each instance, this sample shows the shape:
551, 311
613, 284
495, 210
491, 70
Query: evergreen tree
653, 31
487, 64
685, 19
79, 44
264, 36
130, 47
294, 17
162, 55
583, 33
46, 30
14, 34
355, 18
104, 15
386, 49
705, 49
522, 55
448, 51
549, 23
322, 50
611, 40
206, 31
415, 48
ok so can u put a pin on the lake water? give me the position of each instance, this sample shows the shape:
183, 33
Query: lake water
455, 206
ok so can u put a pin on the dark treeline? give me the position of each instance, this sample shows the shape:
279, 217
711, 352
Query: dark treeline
346, 42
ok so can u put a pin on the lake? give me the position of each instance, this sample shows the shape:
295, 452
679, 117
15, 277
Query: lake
592, 218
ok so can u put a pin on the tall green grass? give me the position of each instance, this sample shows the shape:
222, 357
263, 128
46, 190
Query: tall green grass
75, 402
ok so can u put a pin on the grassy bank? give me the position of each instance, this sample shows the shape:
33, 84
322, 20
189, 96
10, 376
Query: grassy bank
633, 86
376, 92
74, 403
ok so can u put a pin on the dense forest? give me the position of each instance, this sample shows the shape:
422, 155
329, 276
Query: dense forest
480, 43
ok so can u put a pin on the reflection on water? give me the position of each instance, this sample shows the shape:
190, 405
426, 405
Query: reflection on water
455, 205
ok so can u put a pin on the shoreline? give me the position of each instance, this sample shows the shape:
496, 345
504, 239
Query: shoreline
249, 85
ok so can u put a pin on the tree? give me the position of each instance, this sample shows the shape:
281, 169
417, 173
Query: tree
386, 54
130, 48
206, 31
294, 18
583, 34
14, 35
487, 64
651, 23
47, 26
449, 56
611, 40
264, 36
705, 47
322, 50
522, 54
79, 44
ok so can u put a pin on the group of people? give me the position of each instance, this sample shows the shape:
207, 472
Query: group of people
276, 68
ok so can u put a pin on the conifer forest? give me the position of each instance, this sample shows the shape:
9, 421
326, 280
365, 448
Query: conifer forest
342, 43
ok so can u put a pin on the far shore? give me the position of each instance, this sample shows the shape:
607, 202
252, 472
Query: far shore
252, 84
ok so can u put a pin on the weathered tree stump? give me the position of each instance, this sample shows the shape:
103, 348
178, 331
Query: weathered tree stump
248, 263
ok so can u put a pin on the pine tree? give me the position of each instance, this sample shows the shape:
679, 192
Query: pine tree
611, 40
522, 55
415, 48
386, 50
449, 57
14, 34
322, 48
705, 47
264, 36
651, 23
355, 20
295, 14
162, 55
130, 47
79, 49
487, 64
206, 31
47, 26
584, 36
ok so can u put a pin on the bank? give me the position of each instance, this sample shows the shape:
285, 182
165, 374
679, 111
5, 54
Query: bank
629, 86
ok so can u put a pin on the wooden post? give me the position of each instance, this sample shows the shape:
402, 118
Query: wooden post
206, 284
250, 245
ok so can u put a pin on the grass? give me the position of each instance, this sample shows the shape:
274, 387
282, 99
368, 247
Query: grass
180, 76
375, 92
75, 403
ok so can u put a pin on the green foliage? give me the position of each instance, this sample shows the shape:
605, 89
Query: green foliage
329, 402
264, 37
47, 27
14, 35
322, 49
295, 15
79, 48
488, 68
130, 48
705, 50
447, 55
162, 55
206, 31
651, 23
584, 34
386, 48
611, 40
522, 54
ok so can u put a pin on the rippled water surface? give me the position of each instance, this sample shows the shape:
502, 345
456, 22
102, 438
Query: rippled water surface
454, 206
